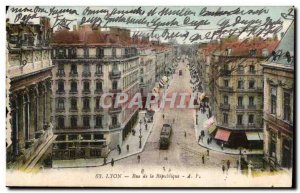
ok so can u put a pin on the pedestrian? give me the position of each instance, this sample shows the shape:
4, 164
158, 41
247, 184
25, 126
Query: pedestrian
237, 164
185, 134
202, 159
146, 126
223, 168
228, 164
104, 160
112, 162
139, 158
222, 146
199, 138
207, 141
207, 152
163, 116
127, 147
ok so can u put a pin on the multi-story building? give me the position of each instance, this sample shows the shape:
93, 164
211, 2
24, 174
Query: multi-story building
89, 63
29, 91
147, 70
237, 98
279, 92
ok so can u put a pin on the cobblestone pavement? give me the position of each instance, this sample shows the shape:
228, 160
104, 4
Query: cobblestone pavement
183, 151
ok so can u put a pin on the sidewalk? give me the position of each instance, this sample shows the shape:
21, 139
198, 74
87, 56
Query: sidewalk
213, 145
133, 141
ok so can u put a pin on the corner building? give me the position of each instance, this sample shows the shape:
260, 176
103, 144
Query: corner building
88, 63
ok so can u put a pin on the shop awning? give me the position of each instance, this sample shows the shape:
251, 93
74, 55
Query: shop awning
253, 136
222, 135
212, 129
209, 122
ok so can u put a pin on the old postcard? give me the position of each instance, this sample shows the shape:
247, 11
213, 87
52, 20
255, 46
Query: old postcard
150, 96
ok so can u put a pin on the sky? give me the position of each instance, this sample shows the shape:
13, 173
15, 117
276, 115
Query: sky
274, 13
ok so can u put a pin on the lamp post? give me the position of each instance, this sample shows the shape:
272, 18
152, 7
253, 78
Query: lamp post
140, 134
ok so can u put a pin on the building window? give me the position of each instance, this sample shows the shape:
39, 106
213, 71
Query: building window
86, 70
114, 85
142, 79
251, 84
98, 69
74, 86
60, 104
251, 119
73, 69
240, 84
240, 119
273, 100
86, 86
113, 52
86, 104
99, 121
73, 122
61, 86
99, 86
251, 101
73, 104
60, 122
252, 69
272, 145
86, 121
240, 69
61, 71
101, 52
225, 99
226, 83
287, 106
225, 118
240, 101
114, 120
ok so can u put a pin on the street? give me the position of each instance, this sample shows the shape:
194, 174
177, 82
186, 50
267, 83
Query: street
183, 151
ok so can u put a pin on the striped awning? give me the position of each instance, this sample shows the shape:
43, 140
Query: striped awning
212, 129
222, 135
254, 136
209, 122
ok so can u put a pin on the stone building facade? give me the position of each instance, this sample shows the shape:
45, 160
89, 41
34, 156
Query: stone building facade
92, 63
237, 94
279, 92
29, 91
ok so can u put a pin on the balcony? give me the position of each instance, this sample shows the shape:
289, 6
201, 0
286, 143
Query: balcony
225, 107
73, 74
113, 110
58, 110
60, 74
115, 74
224, 72
86, 74
98, 91
252, 107
73, 92
115, 91
98, 74
86, 109
86, 91
115, 126
240, 107
60, 92
73, 109
226, 89
98, 109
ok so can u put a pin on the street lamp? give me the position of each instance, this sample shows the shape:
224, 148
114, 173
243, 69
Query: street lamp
140, 134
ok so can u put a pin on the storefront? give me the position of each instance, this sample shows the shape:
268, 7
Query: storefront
255, 140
